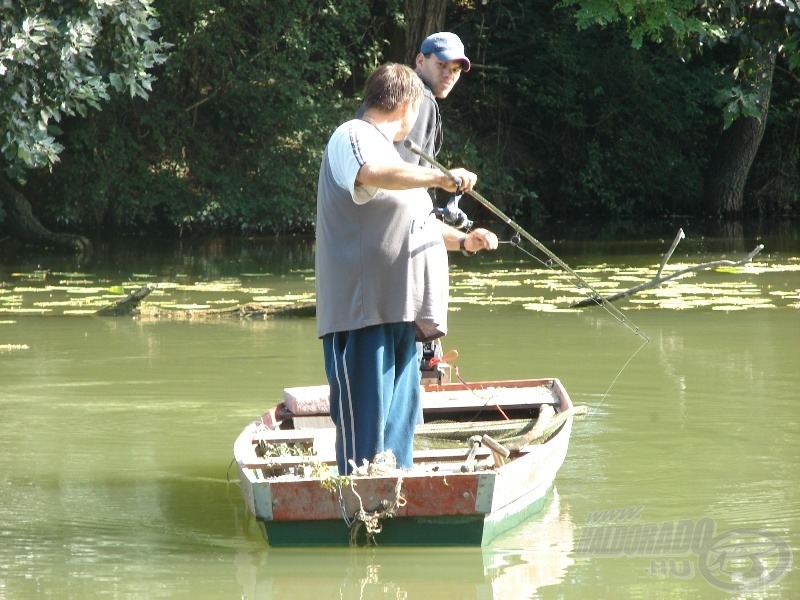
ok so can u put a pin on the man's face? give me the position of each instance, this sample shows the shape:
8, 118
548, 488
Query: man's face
439, 75
410, 114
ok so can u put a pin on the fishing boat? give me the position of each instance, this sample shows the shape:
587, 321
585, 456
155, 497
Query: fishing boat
485, 458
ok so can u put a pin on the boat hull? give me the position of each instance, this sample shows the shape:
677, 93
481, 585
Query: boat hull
420, 507
436, 531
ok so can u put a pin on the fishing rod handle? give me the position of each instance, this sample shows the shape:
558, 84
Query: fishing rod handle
491, 207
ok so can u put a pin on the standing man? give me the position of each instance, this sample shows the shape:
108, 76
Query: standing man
439, 64
381, 270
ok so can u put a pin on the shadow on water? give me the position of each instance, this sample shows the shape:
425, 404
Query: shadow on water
206, 258
222, 256
604, 239
632, 230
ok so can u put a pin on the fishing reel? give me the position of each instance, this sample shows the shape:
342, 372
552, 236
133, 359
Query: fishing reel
453, 215
433, 366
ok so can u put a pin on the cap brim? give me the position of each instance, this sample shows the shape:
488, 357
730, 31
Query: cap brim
444, 56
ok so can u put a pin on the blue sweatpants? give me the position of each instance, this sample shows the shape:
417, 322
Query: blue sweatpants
374, 392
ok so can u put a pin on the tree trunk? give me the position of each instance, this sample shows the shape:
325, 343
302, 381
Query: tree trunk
422, 19
24, 225
736, 148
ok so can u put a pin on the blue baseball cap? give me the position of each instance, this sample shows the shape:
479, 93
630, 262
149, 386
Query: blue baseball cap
446, 46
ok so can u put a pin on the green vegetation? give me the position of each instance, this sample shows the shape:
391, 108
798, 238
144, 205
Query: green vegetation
754, 36
572, 109
759, 284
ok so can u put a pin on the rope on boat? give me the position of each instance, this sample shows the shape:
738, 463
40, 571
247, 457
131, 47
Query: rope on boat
515, 434
371, 521
506, 437
539, 435
384, 464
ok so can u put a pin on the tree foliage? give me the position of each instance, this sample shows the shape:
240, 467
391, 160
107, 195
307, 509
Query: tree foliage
556, 120
753, 35
61, 59
233, 134
753, 28
578, 118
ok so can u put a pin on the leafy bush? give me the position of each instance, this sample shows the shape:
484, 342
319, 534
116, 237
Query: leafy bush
585, 123
555, 121
234, 131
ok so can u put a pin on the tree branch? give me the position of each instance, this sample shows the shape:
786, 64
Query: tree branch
658, 279
129, 307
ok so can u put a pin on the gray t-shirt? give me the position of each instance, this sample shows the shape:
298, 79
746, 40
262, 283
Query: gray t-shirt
380, 256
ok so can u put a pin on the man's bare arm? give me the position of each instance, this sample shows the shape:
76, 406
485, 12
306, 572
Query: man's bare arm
405, 176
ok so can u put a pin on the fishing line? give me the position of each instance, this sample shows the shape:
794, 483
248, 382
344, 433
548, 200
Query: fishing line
582, 284
514, 241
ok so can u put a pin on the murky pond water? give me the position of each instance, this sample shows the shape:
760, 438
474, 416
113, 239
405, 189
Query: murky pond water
116, 433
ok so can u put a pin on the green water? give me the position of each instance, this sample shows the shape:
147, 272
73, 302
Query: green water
116, 433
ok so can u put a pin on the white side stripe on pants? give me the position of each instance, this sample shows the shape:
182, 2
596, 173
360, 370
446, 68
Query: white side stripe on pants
345, 437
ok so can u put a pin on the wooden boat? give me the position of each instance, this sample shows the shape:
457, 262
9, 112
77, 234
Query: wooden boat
456, 494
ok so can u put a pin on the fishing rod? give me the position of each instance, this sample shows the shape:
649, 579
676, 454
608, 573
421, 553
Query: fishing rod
597, 298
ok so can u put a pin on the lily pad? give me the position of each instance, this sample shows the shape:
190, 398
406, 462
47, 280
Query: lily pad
13, 347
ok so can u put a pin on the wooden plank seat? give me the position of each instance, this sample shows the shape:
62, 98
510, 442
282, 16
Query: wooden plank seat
420, 456
313, 400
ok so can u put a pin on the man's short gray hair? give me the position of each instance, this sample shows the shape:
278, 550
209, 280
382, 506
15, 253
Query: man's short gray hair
390, 85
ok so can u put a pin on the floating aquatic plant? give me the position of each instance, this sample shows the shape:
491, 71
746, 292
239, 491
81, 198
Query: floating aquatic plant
13, 347
493, 283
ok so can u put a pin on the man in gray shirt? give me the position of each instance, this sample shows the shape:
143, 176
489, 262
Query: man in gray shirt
381, 270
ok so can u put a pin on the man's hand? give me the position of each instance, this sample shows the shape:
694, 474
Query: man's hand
480, 239
474, 241
467, 179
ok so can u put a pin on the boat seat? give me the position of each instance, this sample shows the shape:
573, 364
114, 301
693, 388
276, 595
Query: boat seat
420, 456
307, 400
313, 400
